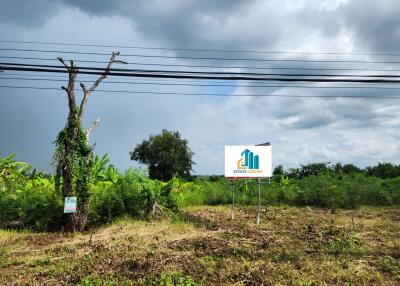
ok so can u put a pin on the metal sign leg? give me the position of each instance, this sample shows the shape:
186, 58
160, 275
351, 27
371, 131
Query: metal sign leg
259, 200
233, 198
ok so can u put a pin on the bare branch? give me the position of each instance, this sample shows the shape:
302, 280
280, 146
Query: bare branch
92, 126
87, 93
120, 62
106, 72
83, 87
72, 73
62, 61
67, 91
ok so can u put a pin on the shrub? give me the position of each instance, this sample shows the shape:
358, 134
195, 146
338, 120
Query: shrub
35, 205
41, 206
132, 195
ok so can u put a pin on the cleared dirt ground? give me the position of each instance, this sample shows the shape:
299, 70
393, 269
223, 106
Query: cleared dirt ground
203, 246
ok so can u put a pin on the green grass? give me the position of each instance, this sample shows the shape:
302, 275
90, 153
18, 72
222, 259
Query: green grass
203, 246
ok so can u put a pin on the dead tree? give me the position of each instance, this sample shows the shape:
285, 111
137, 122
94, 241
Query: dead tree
73, 154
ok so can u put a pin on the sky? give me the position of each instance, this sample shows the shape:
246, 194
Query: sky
301, 130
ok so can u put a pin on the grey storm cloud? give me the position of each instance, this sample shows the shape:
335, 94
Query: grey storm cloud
27, 13
178, 23
28, 125
374, 25
111, 7
303, 113
225, 24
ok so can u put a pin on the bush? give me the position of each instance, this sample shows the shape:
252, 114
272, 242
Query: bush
9, 205
36, 205
30, 200
41, 206
132, 195
326, 190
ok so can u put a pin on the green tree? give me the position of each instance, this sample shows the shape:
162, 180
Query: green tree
166, 154
350, 168
279, 171
384, 171
311, 169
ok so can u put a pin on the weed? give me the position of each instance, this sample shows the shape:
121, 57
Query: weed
390, 265
208, 263
176, 279
291, 246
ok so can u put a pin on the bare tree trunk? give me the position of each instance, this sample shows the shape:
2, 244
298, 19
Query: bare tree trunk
66, 170
78, 220
82, 216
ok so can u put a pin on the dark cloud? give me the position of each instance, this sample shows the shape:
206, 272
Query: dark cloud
27, 13
28, 125
190, 23
301, 113
123, 7
374, 25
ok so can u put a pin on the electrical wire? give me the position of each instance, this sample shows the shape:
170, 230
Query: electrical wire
209, 85
148, 80
201, 72
207, 66
200, 50
213, 94
201, 58
204, 77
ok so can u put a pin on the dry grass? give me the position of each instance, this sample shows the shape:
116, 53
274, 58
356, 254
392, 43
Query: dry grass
292, 246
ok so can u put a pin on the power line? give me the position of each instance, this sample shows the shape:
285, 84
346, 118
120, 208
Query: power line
213, 94
148, 80
204, 77
87, 77
209, 66
200, 50
50, 59
201, 72
210, 85
201, 58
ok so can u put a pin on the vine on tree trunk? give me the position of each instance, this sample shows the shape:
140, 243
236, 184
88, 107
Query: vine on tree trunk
73, 155
74, 160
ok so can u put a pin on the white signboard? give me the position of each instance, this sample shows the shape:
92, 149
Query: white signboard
248, 161
70, 205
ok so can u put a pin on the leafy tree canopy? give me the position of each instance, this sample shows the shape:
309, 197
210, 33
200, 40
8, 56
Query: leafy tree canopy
384, 170
166, 154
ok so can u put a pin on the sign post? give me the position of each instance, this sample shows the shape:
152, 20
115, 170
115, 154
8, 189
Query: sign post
247, 162
259, 200
233, 198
